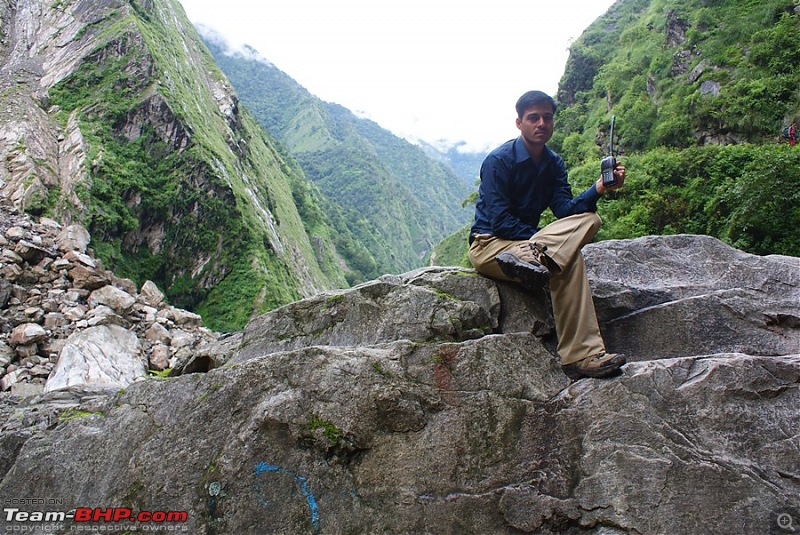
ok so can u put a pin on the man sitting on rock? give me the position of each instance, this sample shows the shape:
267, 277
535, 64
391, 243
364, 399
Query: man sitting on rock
519, 180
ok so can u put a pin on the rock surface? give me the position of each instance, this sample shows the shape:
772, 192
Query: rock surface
432, 402
102, 357
690, 295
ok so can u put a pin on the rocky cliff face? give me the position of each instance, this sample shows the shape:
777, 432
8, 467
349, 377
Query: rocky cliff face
114, 116
432, 402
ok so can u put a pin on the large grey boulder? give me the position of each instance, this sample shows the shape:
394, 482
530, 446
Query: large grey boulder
683, 295
432, 402
484, 436
656, 297
424, 305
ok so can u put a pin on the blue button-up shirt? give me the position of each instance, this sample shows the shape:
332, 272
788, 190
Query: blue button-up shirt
515, 190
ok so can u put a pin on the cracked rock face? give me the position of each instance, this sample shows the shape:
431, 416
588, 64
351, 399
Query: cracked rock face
682, 295
432, 402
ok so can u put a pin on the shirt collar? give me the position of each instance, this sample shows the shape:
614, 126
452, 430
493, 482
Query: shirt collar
521, 153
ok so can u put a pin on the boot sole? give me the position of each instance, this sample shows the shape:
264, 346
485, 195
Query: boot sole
613, 368
526, 274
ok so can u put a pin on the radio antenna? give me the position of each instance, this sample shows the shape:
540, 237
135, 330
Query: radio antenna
611, 136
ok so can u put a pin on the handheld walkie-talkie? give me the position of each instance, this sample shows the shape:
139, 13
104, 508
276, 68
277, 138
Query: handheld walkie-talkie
609, 163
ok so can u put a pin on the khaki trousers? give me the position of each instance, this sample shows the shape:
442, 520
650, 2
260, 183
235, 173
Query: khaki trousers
573, 309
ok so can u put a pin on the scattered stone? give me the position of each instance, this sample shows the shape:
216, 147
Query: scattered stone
73, 238
87, 278
151, 295
159, 357
181, 338
26, 389
184, 318
30, 252
158, 333
27, 333
6, 354
10, 256
52, 289
15, 233
118, 300
103, 315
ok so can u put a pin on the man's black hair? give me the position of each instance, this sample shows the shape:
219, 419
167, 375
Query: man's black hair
533, 98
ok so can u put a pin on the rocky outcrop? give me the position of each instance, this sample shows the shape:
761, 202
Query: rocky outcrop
432, 402
685, 295
426, 305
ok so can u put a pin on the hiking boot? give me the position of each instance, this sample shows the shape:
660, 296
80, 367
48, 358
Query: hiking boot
525, 263
600, 365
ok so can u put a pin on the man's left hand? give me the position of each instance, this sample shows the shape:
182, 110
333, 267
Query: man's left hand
619, 172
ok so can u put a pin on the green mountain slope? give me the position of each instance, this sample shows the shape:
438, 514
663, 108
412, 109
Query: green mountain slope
683, 72
392, 198
176, 182
701, 91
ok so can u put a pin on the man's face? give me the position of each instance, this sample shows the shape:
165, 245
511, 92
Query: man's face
536, 124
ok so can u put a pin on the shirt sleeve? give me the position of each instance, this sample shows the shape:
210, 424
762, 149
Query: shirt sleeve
562, 202
496, 177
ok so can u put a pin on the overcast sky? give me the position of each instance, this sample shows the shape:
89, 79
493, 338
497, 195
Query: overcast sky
433, 69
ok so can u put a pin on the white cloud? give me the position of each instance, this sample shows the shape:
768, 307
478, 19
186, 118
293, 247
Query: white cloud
431, 69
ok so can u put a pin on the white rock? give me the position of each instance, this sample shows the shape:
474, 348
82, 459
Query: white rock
81, 258
180, 339
102, 357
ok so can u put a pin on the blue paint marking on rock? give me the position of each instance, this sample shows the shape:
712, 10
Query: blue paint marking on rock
262, 468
